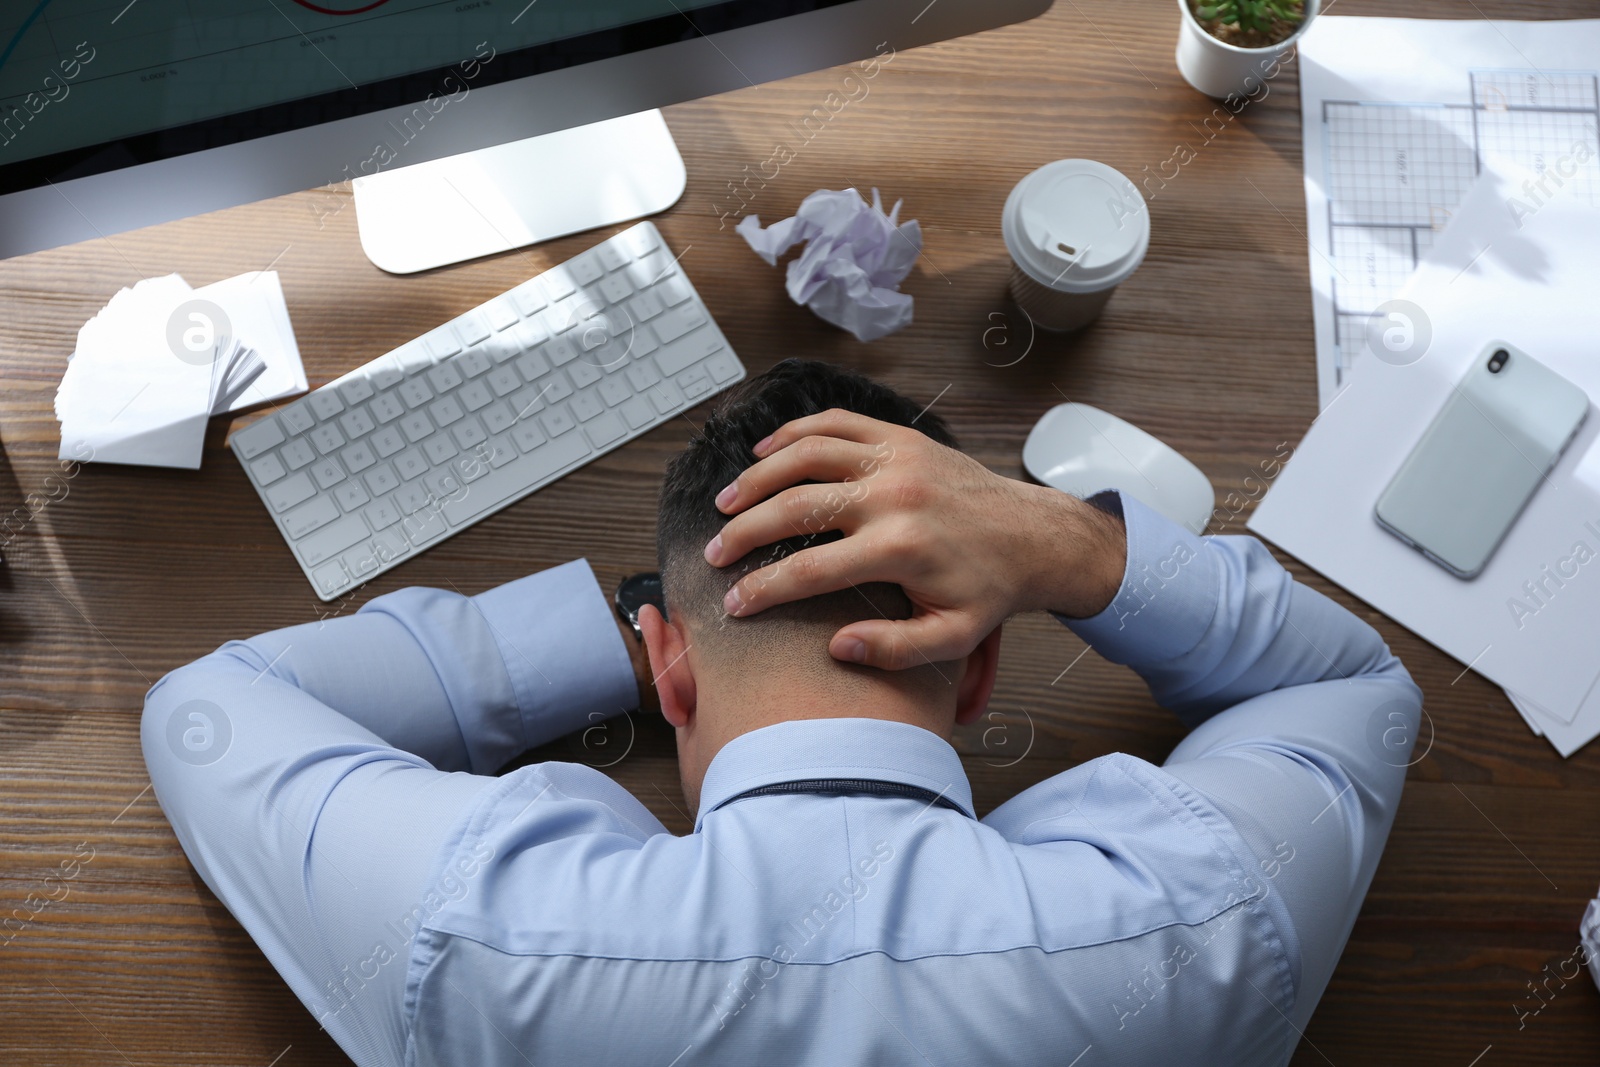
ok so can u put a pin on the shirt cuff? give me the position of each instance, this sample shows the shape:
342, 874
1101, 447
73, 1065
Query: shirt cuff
569, 668
1168, 595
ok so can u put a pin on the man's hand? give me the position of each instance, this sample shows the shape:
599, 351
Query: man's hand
968, 546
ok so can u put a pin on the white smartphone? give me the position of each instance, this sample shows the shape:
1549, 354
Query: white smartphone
1506, 423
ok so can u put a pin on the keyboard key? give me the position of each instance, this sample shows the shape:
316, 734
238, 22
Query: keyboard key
557, 283
381, 479
473, 464
585, 268
412, 497
286, 494
471, 328
531, 366
643, 376
556, 388
330, 577
613, 255
445, 411
267, 469
471, 364
474, 395
647, 270
468, 432
695, 383
527, 436
689, 351
312, 515
666, 398
387, 407
514, 479
497, 416
671, 325
583, 373
383, 514
390, 544
723, 367
445, 485
358, 457
325, 403
525, 402
444, 377
255, 439
504, 380
333, 538
529, 298
640, 240
356, 422
637, 412
499, 450
556, 422
645, 306
413, 356
357, 389
327, 438
410, 464
297, 417
442, 343
641, 341
386, 376
500, 313
604, 429
415, 392
497, 349
350, 495
439, 448
327, 472
561, 351
530, 333
586, 405
387, 441
423, 527
416, 426
615, 288
360, 561
673, 290
614, 391
297, 454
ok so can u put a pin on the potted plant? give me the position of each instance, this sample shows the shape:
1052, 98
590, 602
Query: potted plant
1230, 48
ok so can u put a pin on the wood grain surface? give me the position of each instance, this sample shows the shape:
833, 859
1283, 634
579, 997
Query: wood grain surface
133, 571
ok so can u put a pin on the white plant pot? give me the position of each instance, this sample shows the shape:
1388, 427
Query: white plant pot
1221, 70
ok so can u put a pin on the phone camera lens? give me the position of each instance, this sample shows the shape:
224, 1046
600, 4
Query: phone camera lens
1498, 360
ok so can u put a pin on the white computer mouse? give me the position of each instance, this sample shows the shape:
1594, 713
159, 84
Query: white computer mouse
1081, 450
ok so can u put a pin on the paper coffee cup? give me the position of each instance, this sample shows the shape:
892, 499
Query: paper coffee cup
1075, 229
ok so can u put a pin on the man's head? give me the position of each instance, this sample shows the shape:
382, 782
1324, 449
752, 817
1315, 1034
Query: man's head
720, 676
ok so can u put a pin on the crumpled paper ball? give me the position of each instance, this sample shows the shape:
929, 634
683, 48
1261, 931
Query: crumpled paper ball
854, 260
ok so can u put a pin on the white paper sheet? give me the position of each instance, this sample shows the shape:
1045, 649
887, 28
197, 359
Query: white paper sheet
1398, 117
1533, 281
152, 367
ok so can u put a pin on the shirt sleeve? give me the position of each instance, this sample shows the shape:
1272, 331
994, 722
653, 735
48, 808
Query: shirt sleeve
1302, 721
316, 775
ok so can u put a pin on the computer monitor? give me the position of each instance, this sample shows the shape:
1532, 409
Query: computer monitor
116, 114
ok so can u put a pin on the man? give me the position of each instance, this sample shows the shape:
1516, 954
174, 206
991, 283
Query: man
837, 902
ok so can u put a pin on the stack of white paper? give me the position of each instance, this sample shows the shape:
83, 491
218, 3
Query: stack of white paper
1504, 269
161, 358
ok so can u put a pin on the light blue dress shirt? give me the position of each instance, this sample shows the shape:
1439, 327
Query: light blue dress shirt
331, 783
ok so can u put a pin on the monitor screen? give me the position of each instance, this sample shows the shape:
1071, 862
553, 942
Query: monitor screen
88, 86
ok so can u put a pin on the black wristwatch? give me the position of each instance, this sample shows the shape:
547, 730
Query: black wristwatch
634, 593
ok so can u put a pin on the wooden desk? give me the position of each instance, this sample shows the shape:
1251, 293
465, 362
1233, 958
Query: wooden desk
134, 572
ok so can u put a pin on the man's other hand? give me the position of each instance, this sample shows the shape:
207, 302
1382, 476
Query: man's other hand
969, 547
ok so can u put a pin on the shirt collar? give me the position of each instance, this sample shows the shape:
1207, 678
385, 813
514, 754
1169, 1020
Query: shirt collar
875, 749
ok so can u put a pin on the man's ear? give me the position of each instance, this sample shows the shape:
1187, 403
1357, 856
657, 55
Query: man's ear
977, 681
669, 665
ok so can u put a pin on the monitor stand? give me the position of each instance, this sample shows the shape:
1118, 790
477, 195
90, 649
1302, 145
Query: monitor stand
478, 203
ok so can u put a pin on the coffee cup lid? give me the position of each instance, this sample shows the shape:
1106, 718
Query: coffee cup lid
1076, 225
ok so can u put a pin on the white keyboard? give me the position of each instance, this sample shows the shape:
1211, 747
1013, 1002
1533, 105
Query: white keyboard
425, 440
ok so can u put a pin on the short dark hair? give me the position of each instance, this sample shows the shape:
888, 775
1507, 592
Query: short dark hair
688, 516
